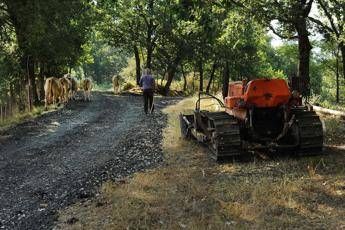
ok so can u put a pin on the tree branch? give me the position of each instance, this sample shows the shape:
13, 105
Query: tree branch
280, 35
307, 9
145, 18
318, 22
329, 17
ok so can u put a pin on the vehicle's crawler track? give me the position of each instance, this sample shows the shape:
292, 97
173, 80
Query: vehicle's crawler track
225, 140
310, 132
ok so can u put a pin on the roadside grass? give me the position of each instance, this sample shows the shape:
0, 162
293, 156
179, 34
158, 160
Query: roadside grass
191, 191
20, 117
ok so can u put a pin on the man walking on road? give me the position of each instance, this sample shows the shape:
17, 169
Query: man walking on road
147, 84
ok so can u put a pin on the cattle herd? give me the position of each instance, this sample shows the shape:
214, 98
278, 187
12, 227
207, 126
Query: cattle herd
61, 90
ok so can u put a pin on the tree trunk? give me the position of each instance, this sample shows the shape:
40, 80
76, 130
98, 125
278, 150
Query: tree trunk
6, 107
28, 66
342, 50
149, 56
149, 41
219, 81
12, 98
337, 75
171, 73
163, 77
304, 48
10, 103
1, 112
201, 72
22, 89
29, 94
41, 82
193, 82
184, 78
31, 69
137, 64
214, 67
226, 76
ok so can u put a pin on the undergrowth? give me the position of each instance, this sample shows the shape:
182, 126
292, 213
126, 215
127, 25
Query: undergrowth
21, 116
191, 191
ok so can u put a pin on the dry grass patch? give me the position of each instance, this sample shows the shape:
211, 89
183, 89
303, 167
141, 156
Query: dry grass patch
191, 191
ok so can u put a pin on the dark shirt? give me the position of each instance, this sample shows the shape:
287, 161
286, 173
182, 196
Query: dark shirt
147, 82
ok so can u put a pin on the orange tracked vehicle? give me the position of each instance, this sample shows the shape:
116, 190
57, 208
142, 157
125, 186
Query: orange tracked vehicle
263, 114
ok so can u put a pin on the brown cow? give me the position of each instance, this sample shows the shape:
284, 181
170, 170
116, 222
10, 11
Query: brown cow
116, 83
74, 88
66, 88
53, 91
87, 87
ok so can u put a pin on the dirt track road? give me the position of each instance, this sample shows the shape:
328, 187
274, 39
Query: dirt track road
62, 156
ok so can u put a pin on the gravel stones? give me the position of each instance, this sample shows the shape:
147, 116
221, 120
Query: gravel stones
64, 156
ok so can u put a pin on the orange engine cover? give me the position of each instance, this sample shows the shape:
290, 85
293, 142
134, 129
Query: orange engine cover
261, 93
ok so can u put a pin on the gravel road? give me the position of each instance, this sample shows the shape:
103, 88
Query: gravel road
63, 156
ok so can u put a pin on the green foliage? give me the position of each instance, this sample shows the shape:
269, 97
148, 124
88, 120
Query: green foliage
128, 72
50, 31
324, 68
40, 38
10, 70
331, 25
272, 73
285, 58
178, 39
189, 32
104, 61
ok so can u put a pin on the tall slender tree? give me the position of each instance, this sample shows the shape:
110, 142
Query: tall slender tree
332, 25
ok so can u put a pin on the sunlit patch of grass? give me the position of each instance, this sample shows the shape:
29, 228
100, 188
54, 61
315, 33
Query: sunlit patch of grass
191, 191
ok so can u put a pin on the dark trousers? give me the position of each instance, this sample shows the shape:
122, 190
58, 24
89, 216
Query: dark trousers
148, 100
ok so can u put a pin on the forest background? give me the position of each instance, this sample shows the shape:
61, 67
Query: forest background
191, 45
